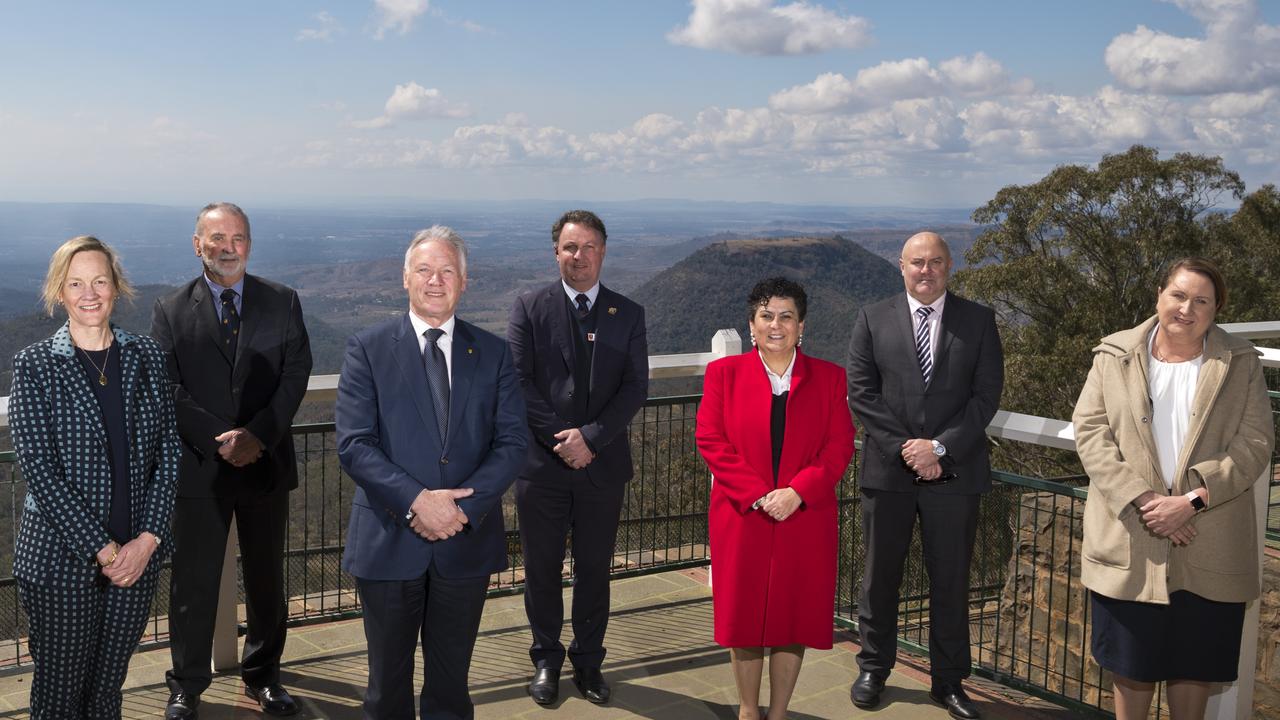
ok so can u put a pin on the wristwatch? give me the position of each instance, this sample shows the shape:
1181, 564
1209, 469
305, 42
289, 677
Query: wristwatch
938, 448
1196, 501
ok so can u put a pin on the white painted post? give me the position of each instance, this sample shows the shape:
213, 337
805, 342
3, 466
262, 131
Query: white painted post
226, 653
726, 342
1235, 701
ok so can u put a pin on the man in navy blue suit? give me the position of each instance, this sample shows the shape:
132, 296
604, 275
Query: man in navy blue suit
582, 355
430, 425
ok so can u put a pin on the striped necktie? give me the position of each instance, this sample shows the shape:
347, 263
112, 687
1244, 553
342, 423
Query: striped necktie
924, 349
438, 378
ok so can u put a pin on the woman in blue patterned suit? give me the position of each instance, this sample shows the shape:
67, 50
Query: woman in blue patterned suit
93, 425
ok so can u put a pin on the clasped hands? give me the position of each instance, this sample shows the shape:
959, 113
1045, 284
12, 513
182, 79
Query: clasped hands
573, 449
1167, 516
779, 504
919, 456
239, 447
123, 564
435, 515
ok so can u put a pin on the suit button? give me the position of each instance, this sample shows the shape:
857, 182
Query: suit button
444, 461
570, 393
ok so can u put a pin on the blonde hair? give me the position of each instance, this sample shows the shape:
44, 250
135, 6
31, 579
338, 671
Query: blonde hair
60, 265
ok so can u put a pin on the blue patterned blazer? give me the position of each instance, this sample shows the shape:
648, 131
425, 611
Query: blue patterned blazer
61, 444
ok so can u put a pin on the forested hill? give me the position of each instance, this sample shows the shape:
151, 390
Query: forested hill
686, 303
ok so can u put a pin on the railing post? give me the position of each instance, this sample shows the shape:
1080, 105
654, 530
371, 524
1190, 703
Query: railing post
226, 630
726, 342
1235, 701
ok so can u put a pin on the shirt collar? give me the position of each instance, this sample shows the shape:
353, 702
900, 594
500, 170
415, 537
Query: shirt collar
420, 326
573, 294
217, 288
781, 383
915, 304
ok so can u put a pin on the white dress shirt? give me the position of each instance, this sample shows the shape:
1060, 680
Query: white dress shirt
573, 294
445, 343
934, 320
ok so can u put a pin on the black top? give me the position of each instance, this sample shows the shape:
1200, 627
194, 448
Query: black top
111, 403
778, 428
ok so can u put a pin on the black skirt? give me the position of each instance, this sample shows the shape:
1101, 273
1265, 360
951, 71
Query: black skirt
1191, 638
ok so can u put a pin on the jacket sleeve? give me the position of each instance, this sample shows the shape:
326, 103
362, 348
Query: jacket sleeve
45, 469
966, 431
196, 426
1110, 474
1233, 471
507, 447
543, 420
732, 476
815, 482
358, 429
273, 423
162, 486
615, 417
879, 422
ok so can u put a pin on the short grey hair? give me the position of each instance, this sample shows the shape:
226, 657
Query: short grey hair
224, 207
444, 234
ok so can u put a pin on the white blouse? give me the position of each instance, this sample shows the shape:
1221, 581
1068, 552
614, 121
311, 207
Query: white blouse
1173, 388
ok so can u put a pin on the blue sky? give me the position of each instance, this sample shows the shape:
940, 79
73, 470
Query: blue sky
853, 102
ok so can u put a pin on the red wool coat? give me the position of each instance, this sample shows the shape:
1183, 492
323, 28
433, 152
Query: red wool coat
774, 582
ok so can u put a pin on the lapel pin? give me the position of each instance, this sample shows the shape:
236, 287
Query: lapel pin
470, 351
613, 311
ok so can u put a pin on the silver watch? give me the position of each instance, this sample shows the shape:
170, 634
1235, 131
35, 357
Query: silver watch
938, 448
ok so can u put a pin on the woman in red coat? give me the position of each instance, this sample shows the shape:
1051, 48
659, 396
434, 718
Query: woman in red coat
775, 430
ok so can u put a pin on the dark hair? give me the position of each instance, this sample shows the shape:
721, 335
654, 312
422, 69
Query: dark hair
777, 287
224, 207
1201, 266
579, 217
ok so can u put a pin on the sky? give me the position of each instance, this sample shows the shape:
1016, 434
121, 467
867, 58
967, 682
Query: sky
847, 102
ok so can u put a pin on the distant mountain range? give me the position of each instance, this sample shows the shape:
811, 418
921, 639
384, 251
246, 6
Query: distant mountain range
686, 303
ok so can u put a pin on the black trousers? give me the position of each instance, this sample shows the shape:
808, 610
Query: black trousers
200, 527
948, 526
548, 510
445, 614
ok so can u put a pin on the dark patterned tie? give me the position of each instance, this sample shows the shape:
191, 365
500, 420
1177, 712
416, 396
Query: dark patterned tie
924, 349
582, 305
438, 379
230, 321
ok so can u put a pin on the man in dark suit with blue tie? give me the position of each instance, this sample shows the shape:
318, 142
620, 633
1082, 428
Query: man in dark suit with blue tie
239, 360
925, 375
582, 356
430, 426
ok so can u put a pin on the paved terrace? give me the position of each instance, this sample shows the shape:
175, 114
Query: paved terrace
662, 664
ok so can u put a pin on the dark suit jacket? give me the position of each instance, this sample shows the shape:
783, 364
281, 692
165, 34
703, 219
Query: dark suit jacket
888, 395
61, 444
541, 338
259, 389
390, 445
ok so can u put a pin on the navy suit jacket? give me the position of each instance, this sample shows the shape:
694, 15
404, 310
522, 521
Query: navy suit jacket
888, 395
259, 389
390, 445
541, 339
61, 444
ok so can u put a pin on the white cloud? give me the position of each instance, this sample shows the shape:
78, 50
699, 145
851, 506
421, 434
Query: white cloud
1238, 53
397, 15
761, 27
413, 102
877, 86
326, 27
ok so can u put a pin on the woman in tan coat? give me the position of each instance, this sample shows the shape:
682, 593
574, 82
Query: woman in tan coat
1173, 427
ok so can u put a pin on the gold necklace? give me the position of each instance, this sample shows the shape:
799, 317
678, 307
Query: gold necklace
102, 371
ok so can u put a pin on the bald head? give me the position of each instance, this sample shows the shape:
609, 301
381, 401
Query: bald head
925, 265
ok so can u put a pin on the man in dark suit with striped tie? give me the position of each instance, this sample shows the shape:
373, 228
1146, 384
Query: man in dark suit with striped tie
925, 375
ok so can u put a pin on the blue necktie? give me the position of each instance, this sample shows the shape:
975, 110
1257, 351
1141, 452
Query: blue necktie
438, 379
924, 349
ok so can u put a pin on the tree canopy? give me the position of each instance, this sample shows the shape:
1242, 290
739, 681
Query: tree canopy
1081, 254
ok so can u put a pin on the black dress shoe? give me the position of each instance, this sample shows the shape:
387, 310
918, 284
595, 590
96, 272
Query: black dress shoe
544, 688
591, 684
273, 698
866, 690
181, 706
958, 704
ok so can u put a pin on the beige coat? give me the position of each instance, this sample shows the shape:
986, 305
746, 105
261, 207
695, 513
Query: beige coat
1228, 447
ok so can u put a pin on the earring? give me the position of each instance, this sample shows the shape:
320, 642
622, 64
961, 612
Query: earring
800, 340
753, 341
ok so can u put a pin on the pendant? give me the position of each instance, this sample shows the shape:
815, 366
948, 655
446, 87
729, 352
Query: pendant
102, 379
